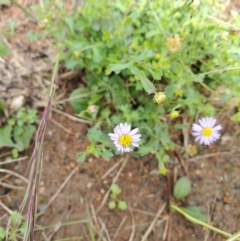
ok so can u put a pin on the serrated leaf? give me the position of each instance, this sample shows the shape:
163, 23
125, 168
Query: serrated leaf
196, 212
182, 188
23, 138
107, 154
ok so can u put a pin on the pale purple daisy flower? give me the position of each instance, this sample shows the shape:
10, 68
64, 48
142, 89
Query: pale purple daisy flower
123, 137
205, 132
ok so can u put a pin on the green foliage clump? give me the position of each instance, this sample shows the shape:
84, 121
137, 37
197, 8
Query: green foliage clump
131, 50
16, 228
115, 201
19, 131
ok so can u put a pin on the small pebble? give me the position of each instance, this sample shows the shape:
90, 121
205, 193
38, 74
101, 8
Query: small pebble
105, 181
72, 164
90, 159
42, 190
130, 174
227, 207
227, 199
102, 191
18, 181
89, 185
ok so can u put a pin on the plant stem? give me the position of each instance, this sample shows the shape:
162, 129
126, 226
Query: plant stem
206, 225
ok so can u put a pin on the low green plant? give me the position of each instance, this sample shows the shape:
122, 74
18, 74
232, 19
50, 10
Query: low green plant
181, 190
115, 201
4, 51
16, 230
19, 130
131, 51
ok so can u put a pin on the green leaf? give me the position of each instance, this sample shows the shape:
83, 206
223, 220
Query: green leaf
70, 23
115, 189
118, 67
15, 217
182, 188
5, 2
81, 156
32, 36
15, 153
122, 205
22, 136
5, 137
196, 212
23, 228
4, 51
236, 117
198, 78
2, 233
147, 85
94, 134
97, 58
112, 205
107, 154
72, 63
1, 106
78, 100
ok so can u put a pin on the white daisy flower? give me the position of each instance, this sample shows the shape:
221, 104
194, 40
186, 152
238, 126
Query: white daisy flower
206, 133
123, 137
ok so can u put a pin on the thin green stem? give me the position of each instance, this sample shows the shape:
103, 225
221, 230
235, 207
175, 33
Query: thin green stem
206, 87
234, 237
23, 9
206, 225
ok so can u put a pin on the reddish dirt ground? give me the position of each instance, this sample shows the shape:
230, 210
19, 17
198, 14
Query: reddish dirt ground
215, 181
80, 190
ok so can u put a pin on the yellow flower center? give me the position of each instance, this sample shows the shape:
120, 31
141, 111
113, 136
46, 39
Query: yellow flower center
207, 131
125, 140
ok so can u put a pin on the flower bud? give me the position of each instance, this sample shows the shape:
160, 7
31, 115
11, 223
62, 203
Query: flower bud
159, 97
92, 109
174, 114
192, 150
43, 23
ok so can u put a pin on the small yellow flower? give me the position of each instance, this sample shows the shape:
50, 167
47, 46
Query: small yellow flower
157, 56
174, 43
159, 97
179, 92
174, 114
192, 150
43, 23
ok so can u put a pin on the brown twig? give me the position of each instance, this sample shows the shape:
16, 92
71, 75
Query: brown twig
150, 228
114, 181
180, 158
